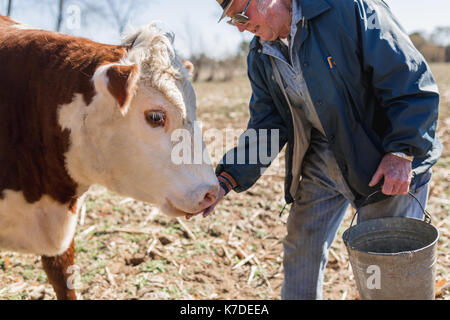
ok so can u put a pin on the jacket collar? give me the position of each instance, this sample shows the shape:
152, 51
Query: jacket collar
313, 8
297, 13
309, 8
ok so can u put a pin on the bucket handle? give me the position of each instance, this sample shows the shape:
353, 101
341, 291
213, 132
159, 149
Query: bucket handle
427, 216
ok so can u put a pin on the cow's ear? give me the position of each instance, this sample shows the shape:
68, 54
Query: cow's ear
189, 66
122, 84
118, 81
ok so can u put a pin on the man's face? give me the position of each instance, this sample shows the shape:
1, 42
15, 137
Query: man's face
271, 21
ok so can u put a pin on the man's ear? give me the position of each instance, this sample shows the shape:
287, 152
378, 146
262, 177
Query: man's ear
189, 66
117, 80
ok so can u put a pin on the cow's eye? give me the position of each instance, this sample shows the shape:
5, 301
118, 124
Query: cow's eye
155, 118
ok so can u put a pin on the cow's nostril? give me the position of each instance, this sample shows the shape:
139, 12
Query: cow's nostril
209, 198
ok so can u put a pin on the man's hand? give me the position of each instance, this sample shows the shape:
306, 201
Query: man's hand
210, 209
397, 175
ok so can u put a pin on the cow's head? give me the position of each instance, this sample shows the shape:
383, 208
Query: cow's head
126, 141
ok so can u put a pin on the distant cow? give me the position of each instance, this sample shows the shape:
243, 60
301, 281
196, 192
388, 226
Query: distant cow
74, 113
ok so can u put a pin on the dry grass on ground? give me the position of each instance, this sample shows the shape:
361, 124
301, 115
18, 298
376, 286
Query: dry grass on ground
128, 250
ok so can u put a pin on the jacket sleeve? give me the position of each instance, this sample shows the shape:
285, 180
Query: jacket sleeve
260, 143
401, 78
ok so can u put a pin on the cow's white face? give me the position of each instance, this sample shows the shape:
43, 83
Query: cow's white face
125, 142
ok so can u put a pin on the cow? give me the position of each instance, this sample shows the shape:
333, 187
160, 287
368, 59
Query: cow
73, 113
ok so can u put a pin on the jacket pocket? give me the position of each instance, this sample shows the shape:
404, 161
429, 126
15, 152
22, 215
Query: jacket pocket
367, 156
346, 92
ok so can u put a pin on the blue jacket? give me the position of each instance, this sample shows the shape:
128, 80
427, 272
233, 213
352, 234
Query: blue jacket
373, 92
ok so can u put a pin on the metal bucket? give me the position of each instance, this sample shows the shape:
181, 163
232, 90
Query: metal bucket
393, 258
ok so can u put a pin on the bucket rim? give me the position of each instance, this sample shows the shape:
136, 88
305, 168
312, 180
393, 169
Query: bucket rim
433, 243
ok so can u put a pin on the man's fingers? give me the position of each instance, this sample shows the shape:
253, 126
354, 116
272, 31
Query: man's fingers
376, 178
205, 213
208, 211
395, 186
396, 173
388, 187
404, 188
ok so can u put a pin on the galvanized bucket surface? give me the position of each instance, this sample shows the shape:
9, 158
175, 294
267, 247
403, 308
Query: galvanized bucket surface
393, 258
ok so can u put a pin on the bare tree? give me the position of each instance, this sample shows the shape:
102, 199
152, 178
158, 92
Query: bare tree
8, 12
436, 47
441, 35
418, 40
119, 16
86, 8
60, 15
121, 11
117, 12
196, 52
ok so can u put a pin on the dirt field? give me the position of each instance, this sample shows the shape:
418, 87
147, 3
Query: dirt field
128, 250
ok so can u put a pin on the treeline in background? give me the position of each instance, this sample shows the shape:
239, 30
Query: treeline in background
116, 15
436, 46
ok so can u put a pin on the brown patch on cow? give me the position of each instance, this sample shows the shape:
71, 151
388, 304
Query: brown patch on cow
58, 275
7, 21
40, 71
120, 81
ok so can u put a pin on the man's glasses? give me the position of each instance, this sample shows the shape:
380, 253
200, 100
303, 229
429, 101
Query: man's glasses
240, 18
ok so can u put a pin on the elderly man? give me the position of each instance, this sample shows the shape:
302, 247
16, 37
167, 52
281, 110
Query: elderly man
357, 105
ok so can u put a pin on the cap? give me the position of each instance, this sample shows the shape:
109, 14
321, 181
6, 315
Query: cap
225, 4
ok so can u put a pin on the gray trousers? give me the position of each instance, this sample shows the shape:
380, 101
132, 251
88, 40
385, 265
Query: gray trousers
316, 214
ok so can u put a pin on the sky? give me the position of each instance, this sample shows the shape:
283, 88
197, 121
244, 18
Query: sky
194, 22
